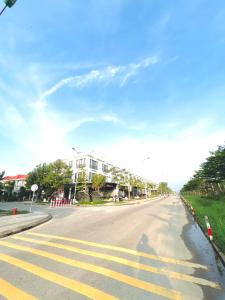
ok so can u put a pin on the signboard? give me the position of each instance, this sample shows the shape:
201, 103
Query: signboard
34, 187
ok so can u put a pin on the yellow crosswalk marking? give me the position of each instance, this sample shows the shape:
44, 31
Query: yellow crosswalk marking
71, 284
124, 250
152, 288
11, 292
124, 261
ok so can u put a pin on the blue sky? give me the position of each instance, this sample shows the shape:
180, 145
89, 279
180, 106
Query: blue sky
128, 79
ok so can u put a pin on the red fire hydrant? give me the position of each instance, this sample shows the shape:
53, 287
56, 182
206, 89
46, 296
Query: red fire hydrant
14, 211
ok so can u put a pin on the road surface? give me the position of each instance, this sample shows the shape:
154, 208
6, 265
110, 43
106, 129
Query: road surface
148, 251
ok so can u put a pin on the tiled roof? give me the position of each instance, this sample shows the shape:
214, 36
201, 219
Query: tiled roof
17, 177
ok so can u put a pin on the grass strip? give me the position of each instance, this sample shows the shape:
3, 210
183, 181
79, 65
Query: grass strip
4, 213
215, 210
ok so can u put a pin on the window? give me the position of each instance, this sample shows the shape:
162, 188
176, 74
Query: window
105, 168
81, 176
80, 163
90, 176
70, 163
93, 164
108, 179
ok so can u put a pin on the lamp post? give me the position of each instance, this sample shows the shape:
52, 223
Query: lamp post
75, 177
8, 3
146, 195
77, 152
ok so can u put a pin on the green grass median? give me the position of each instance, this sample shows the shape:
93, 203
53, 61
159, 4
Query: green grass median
4, 213
92, 202
215, 210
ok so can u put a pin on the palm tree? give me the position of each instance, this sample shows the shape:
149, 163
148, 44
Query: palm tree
98, 181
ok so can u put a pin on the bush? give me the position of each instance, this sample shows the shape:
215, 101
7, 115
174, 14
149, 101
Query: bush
83, 196
96, 196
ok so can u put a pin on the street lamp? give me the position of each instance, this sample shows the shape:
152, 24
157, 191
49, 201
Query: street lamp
75, 177
8, 3
146, 196
77, 152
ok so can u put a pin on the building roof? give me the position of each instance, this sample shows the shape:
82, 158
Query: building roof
17, 177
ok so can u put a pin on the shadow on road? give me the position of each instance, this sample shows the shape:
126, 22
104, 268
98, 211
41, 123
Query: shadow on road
161, 280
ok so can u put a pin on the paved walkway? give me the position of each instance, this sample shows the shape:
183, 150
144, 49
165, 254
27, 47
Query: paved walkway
13, 224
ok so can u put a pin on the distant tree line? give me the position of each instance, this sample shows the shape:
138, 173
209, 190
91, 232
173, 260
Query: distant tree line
210, 178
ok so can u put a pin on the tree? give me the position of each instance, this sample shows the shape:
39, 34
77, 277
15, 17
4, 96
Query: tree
38, 176
116, 172
164, 188
98, 181
82, 180
138, 183
59, 174
2, 174
50, 177
210, 177
1, 184
151, 186
8, 187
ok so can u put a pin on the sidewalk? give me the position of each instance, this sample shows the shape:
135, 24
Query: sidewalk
14, 224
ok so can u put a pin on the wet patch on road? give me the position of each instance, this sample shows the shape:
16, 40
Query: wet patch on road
202, 252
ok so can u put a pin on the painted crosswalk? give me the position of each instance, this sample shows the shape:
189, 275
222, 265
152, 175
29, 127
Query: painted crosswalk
123, 261
71, 284
30, 243
11, 292
121, 249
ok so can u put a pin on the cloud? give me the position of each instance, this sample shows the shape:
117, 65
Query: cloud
122, 73
173, 159
132, 69
110, 118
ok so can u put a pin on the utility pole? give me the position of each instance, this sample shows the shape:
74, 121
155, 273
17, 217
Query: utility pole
8, 3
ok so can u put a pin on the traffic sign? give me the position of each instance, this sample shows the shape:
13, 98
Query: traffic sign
34, 187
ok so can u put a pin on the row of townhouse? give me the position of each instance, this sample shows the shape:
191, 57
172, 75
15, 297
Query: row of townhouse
79, 163
92, 165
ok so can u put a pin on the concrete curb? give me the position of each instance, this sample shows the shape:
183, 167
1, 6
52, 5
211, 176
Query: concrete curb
217, 250
27, 226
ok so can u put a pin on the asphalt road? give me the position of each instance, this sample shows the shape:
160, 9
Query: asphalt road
148, 251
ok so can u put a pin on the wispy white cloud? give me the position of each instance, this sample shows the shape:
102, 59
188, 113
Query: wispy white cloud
122, 73
132, 69
110, 118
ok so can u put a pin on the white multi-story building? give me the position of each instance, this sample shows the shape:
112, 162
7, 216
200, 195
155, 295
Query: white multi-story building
91, 165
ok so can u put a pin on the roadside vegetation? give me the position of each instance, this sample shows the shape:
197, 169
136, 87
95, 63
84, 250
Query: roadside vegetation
206, 193
96, 202
4, 213
57, 181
